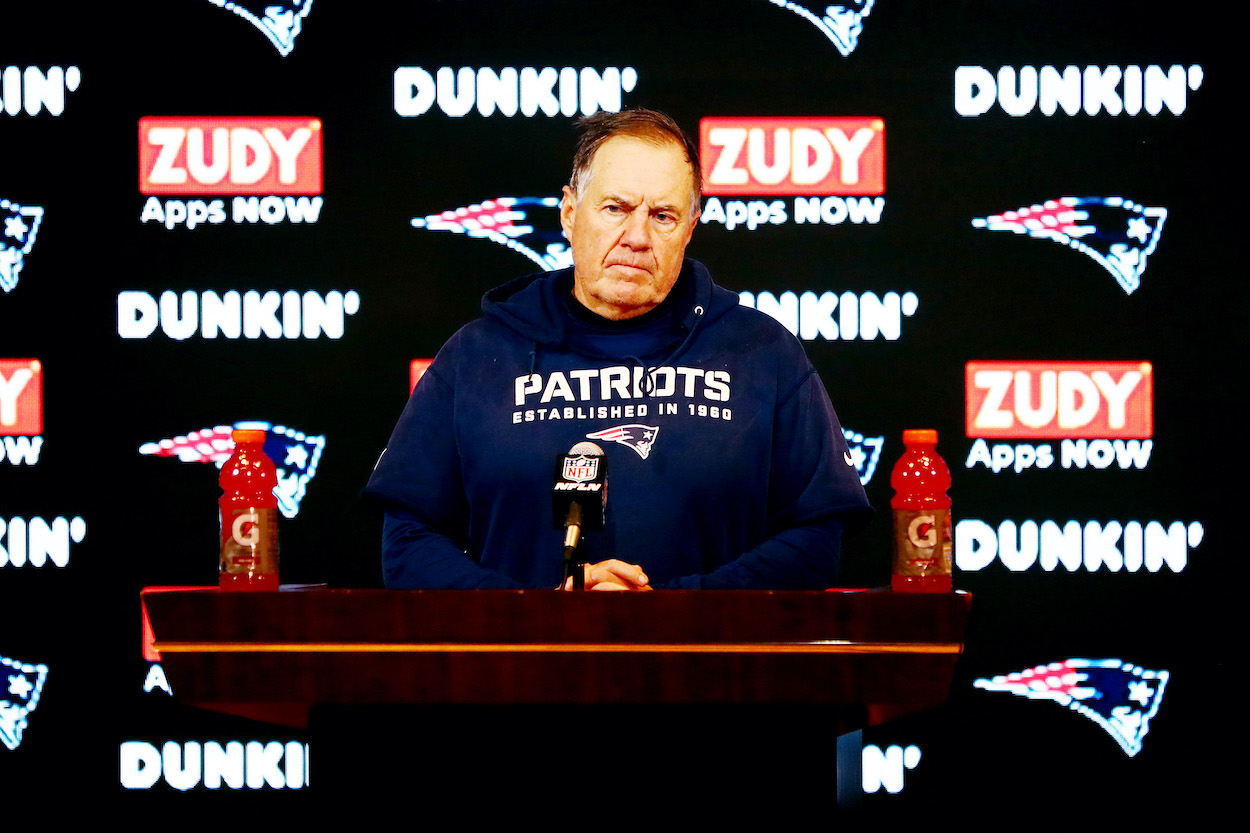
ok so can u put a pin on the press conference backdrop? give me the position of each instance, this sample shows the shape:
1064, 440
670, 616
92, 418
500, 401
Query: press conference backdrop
1005, 221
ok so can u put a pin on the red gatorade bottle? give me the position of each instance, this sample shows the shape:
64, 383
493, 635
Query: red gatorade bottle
249, 516
922, 520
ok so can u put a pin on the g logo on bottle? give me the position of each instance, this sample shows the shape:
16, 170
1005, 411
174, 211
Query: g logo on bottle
246, 529
922, 532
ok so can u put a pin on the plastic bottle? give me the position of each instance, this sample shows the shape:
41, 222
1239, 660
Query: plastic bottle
249, 516
922, 519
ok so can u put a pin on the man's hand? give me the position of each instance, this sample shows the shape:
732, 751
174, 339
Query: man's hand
613, 575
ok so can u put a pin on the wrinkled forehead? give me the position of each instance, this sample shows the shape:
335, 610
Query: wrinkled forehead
645, 163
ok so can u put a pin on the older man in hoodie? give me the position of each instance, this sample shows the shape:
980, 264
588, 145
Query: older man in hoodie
729, 467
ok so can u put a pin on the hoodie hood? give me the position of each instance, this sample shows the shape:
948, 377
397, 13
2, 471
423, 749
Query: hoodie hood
534, 306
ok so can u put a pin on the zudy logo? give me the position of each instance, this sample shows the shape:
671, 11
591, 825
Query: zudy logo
294, 453
829, 165
21, 397
21, 410
213, 155
1102, 413
841, 23
20, 686
530, 226
21, 223
272, 166
764, 156
1059, 399
416, 369
1116, 233
279, 20
1120, 697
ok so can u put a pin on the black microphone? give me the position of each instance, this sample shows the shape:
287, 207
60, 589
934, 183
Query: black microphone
579, 500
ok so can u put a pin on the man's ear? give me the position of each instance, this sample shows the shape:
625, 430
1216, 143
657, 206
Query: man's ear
694, 221
567, 205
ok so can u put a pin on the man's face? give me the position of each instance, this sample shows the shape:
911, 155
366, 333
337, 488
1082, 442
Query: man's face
630, 228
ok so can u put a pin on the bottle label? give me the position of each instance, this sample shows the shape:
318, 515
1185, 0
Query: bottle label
249, 542
922, 542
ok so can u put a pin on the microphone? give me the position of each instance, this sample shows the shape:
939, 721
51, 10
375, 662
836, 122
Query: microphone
579, 501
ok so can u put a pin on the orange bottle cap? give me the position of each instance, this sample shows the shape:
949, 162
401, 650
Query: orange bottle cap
247, 435
920, 436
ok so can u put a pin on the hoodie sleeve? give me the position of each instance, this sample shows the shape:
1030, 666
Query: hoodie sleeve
416, 557
814, 496
418, 479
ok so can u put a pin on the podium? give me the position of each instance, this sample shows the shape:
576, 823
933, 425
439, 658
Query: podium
271, 656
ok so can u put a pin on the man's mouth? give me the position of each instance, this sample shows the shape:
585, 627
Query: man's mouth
629, 266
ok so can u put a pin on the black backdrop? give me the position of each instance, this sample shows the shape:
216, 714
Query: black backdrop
981, 296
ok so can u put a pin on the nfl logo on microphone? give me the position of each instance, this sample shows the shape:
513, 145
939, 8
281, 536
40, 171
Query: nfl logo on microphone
581, 469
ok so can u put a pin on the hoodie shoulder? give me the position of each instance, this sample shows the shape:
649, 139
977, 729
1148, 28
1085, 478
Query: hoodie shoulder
726, 302
530, 305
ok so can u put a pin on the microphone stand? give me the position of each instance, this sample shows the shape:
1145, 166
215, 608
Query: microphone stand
573, 565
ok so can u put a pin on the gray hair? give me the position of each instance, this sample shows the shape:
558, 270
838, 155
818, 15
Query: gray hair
650, 126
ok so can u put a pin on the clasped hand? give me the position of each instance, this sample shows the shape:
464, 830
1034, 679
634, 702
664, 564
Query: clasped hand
612, 575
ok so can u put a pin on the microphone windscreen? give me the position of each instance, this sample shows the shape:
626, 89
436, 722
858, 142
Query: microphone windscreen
585, 447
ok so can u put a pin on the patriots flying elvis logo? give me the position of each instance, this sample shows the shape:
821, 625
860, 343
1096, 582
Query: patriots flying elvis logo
865, 453
21, 223
638, 437
528, 225
1117, 233
280, 20
1120, 697
20, 686
294, 454
841, 23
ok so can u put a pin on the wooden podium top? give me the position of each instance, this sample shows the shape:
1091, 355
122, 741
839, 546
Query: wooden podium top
272, 655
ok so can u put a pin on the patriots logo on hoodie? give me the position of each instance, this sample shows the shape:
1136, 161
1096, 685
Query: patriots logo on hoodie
1117, 233
528, 225
20, 686
841, 23
280, 20
1120, 697
295, 455
21, 223
638, 437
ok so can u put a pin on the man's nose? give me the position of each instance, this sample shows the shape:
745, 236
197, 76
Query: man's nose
637, 232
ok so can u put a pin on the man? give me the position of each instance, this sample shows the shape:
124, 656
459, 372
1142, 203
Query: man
728, 466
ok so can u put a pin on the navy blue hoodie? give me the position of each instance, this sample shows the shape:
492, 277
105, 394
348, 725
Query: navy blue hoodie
728, 466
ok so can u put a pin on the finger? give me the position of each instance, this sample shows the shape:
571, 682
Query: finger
597, 578
630, 573
615, 585
609, 581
